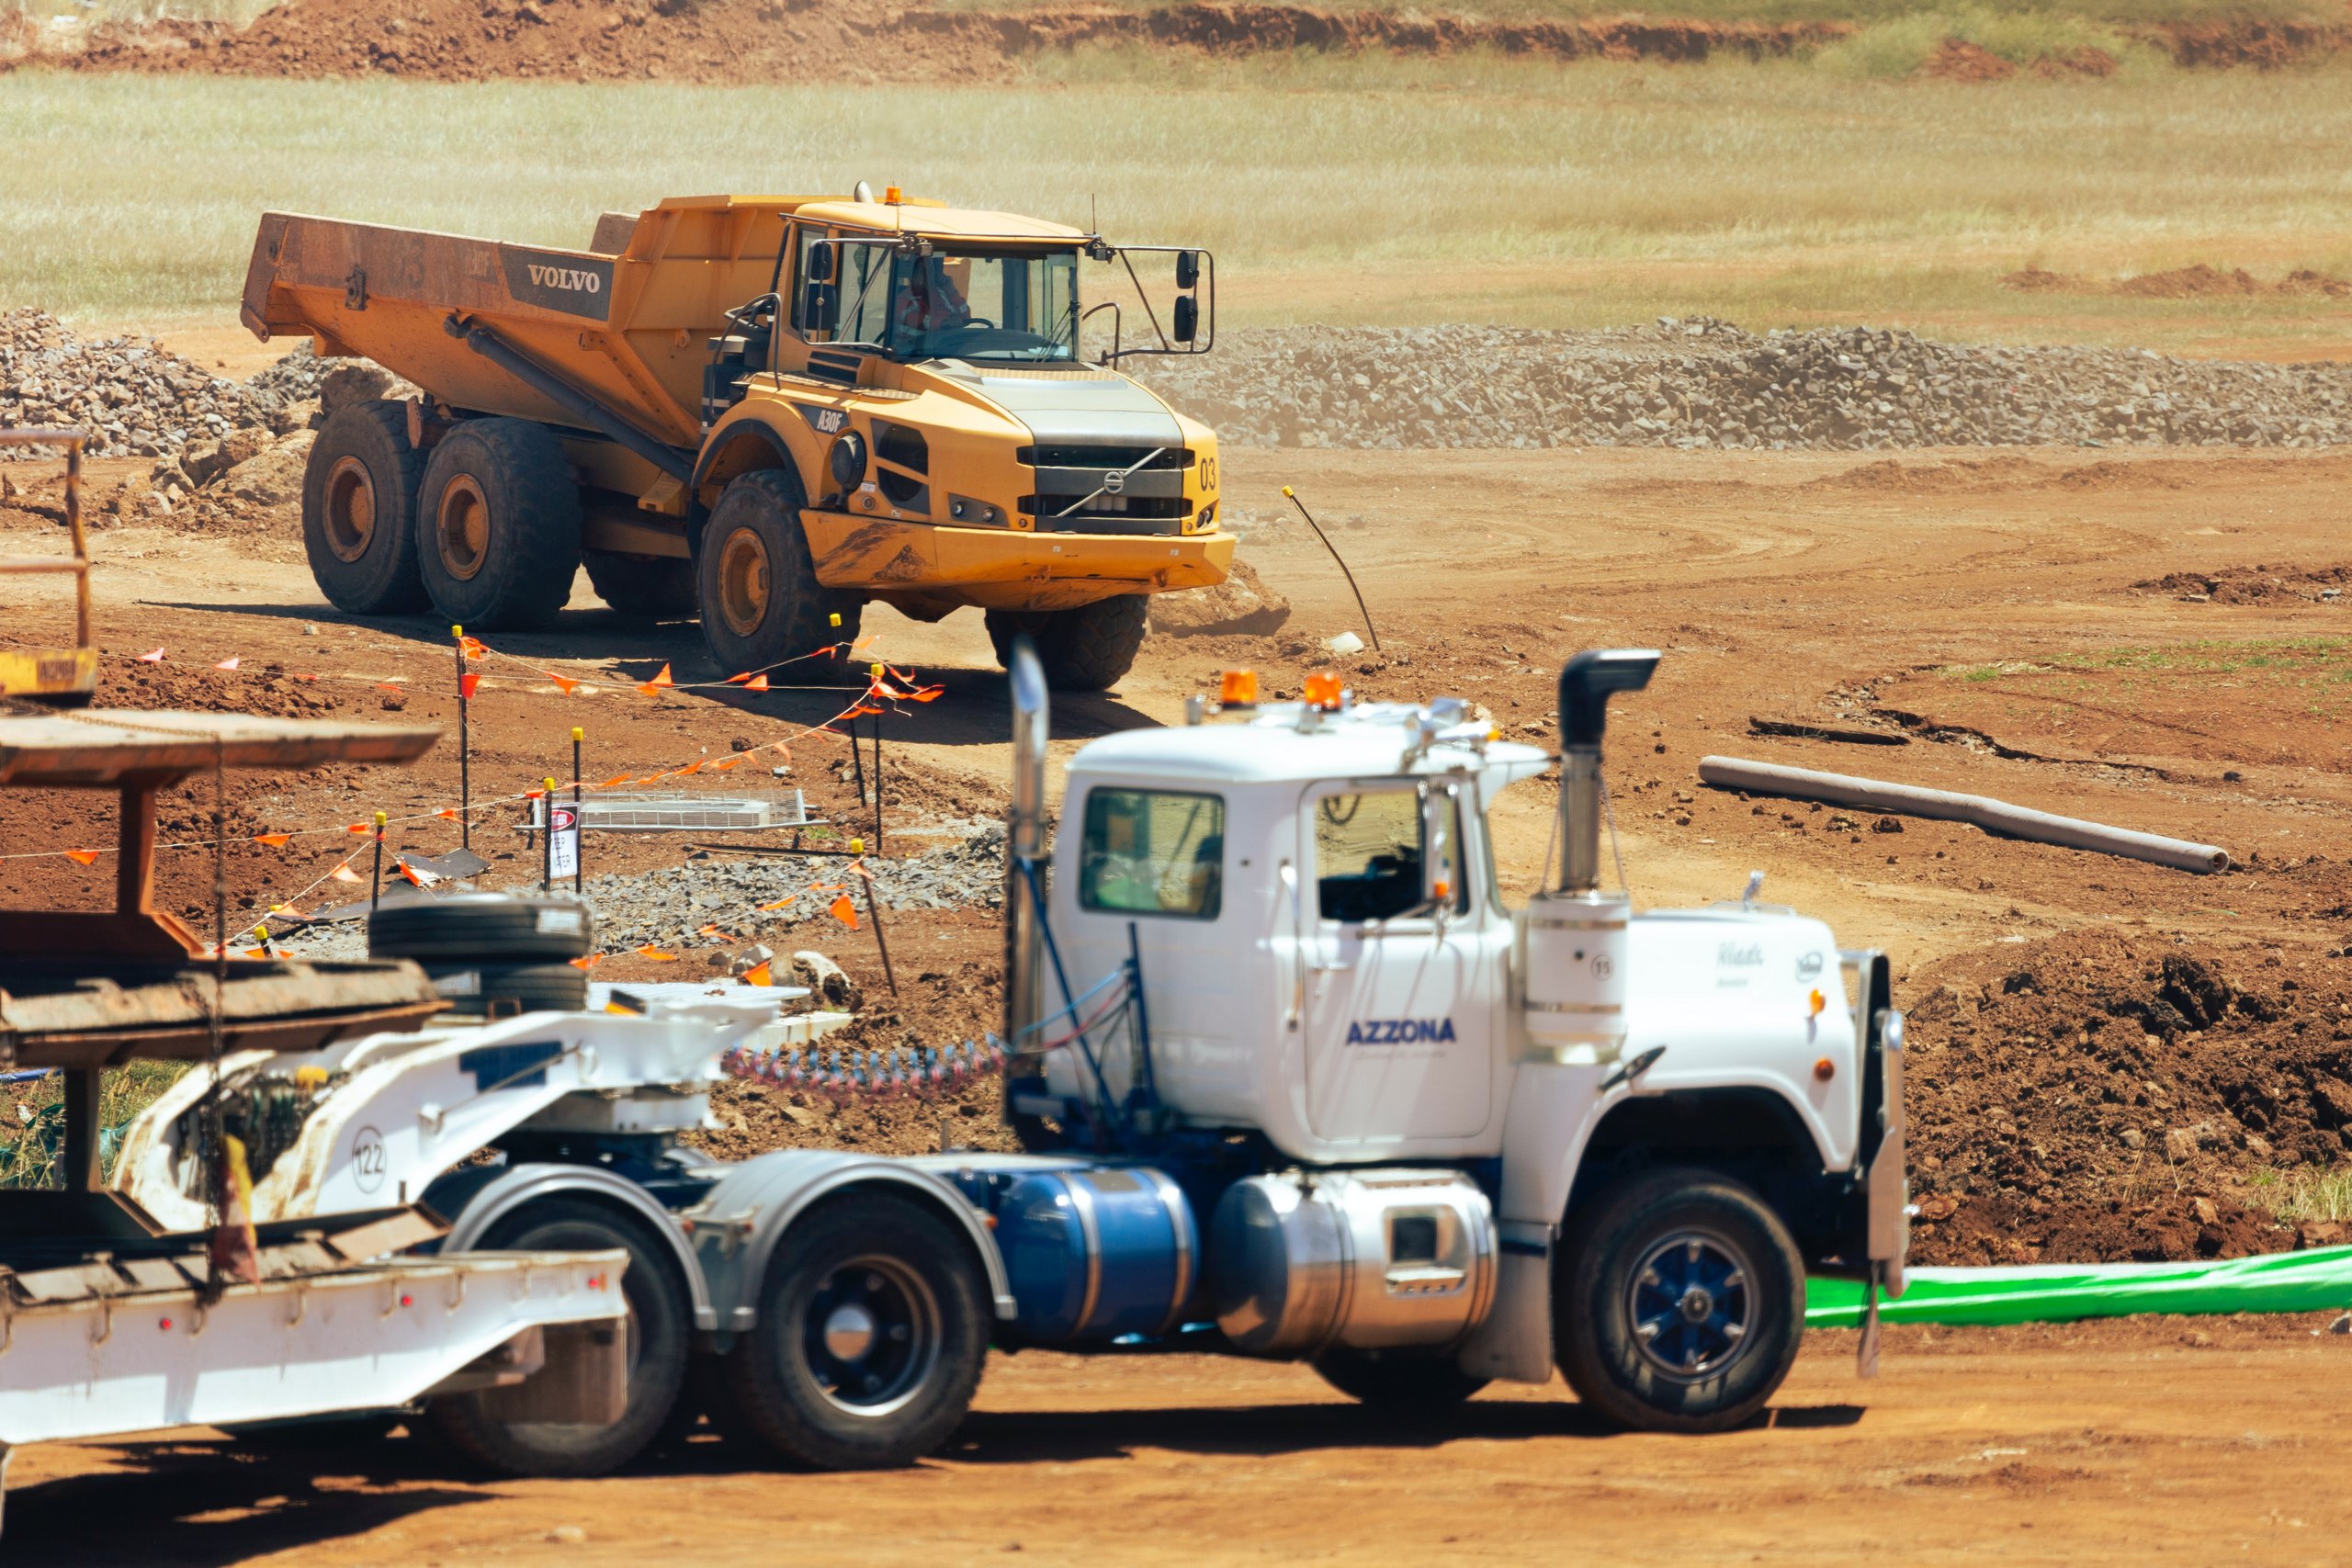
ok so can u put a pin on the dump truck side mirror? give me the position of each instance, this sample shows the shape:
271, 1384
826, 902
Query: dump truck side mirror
1186, 321
1188, 269
824, 262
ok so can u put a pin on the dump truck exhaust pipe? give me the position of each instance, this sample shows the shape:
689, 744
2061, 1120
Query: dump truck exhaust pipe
1025, 848
1578, 936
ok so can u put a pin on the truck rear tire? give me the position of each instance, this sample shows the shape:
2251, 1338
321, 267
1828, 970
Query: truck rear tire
1085, 650
359, 492
1678, 1303
650, 588
872, 1332
484, 927
498, 525
499, 990
659, 1325
1401, 1381
762, 604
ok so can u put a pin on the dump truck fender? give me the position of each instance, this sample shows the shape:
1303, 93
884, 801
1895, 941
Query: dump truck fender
484, 1205
724, 449
737, 1227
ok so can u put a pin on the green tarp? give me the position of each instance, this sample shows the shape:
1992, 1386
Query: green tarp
2317, 1281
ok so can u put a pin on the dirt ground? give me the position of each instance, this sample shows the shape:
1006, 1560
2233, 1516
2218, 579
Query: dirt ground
2142, 639
2133, 1442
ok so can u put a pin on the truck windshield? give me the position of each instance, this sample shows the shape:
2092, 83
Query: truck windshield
985, 304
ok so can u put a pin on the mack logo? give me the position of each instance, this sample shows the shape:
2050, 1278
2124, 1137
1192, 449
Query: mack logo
1732, 956
1400, 1031
577, 286
1809, 967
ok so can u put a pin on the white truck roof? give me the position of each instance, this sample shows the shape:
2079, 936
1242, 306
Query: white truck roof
1291, 742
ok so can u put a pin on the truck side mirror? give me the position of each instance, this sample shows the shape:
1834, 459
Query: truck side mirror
824, 262
1186, 320
1188, 269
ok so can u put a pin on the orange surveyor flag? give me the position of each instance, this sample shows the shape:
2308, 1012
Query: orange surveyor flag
758, 684
759, 974
845, 912
473, 647
663, 679
228, 663
615, 779
153, 656
561, 684
588, 962
739, 679
857, 867
82, 857
777, 905
649, 950
404, 871
448, 811
275, 840
344, 873
713, 932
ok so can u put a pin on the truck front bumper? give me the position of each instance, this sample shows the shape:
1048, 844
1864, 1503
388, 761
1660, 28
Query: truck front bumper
1007, 569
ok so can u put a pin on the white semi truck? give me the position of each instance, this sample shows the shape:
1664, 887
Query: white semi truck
1293, 1082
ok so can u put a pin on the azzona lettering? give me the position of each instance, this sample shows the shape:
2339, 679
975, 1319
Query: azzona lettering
1400, 1031
570, 278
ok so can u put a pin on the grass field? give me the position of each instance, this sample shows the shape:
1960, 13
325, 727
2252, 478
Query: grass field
1342, 189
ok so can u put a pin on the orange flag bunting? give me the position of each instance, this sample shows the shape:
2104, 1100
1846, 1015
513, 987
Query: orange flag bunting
153, 656
739, 679
759, 684
713, 933
857, 867
730, 762
777, 905
467, 685
690, 768
845, 912
82, 857
360, 828
344, 873
228, 663
759, 974
533, 793
663, 679
615, 779
649, 950
473, 647
448, 811
588, 962
649, 689
388, 685
404, 871
560, 683
275, 840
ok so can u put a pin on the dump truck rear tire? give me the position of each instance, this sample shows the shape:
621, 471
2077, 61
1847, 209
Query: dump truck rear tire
498, 525
1085, 650
359, 510
762, 604
651, 588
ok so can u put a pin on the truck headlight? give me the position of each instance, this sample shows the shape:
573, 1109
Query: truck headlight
848, 460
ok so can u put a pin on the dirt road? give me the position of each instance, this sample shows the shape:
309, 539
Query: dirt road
2114, 1443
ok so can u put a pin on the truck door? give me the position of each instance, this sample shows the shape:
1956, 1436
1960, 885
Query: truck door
1400, 1008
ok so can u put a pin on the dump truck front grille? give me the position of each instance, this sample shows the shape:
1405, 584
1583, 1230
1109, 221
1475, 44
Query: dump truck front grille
1118, 496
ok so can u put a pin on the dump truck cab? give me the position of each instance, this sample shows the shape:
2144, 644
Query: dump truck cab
766, 411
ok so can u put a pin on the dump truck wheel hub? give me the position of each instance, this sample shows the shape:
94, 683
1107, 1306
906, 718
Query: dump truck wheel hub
743, 582
350, 508
462, 529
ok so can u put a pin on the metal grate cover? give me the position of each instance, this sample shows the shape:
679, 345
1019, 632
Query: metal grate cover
681, 813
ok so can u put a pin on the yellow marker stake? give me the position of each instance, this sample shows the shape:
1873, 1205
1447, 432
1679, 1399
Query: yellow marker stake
857, 846
578, 733
835, 617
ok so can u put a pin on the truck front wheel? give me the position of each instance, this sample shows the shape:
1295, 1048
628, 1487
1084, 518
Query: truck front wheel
872, 1331
498, 525
660, 1328
1678, 1303
762, 604
359, 510
1085, 650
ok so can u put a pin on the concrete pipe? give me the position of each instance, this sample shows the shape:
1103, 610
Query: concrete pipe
1993, 816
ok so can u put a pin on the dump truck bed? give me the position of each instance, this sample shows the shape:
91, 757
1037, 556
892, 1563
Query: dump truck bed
630, 328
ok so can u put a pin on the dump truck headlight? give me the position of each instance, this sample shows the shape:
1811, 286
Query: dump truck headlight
848, 460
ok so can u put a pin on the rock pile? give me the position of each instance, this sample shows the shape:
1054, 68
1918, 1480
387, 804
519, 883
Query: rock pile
135, 397
1701, 383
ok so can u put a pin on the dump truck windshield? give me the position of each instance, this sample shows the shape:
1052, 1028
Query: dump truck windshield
1002, 305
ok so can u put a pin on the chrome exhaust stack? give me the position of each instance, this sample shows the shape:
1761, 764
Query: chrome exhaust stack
1578, 938
1025, 846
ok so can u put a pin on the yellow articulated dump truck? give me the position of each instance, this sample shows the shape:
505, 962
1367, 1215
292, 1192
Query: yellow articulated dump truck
768, 410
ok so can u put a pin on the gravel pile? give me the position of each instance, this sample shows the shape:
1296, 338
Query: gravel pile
1701, 382
136, 399
668, 908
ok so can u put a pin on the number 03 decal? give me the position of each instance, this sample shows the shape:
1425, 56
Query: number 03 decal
1208, 474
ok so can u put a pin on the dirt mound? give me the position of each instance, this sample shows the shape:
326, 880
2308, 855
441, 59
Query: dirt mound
2198, 282
2252, 585
268, 689
135, 397
2034, 280
1957, 60
2245, 41
2188, 283
2103, 1097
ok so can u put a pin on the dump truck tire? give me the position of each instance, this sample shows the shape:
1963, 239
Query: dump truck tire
484, 927
1419, 1381
762, 604
660, 1332
1678, 1304
650, 588
359, 492
872, 1330
498, 525
1085, 650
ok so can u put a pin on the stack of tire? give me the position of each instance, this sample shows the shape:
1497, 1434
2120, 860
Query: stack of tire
494, 955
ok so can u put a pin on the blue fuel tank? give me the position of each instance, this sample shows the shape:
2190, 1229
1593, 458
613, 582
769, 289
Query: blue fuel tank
1094, 1254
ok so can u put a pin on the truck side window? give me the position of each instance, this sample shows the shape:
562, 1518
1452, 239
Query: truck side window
1368, 854
1153, 852
854, 307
